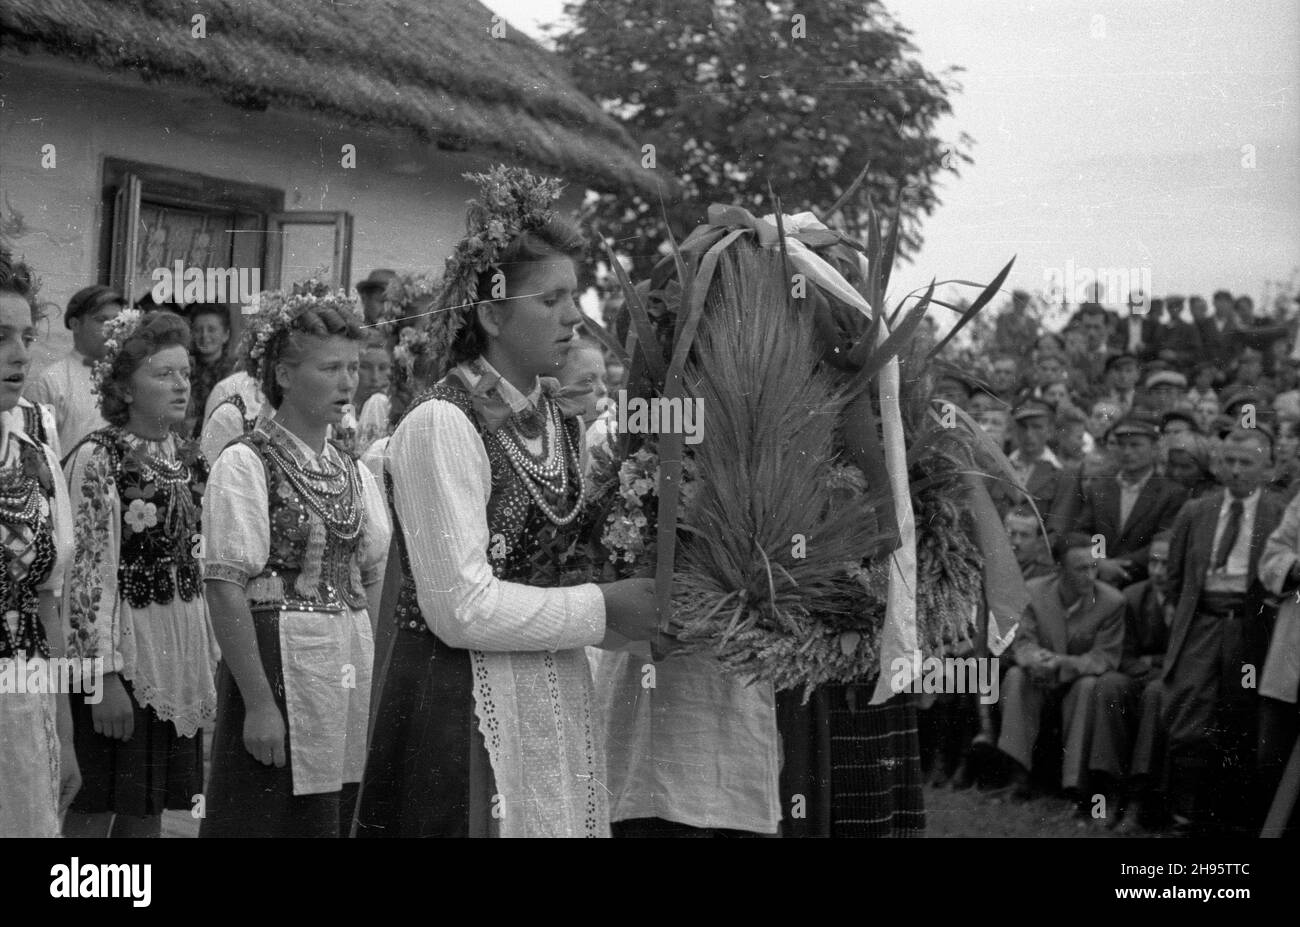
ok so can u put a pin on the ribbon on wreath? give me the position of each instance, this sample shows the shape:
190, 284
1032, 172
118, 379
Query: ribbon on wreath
803, 234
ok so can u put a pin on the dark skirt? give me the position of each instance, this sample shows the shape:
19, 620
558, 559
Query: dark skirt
156, 770
851, 769
427, 769
246, 797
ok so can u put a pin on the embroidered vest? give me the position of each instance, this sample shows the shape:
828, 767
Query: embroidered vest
160, 527
310, 568
27, 550
522, 543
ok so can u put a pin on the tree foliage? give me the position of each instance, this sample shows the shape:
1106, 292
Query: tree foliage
737, 95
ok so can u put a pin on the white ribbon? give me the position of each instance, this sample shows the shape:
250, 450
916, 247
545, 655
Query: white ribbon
898, 637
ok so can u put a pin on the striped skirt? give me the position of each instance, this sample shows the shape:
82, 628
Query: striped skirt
851, 769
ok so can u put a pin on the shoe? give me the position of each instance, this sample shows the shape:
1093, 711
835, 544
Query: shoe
1129, 819
962, 779
1183, 827
1021, 790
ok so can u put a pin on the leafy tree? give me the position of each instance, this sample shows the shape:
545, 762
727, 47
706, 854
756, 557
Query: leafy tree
735, 95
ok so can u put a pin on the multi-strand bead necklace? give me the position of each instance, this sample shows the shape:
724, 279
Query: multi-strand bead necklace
331, 492
547, 472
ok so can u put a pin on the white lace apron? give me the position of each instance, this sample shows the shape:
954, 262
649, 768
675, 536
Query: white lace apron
535, 711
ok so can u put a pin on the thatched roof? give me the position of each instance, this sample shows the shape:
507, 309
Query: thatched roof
431, 67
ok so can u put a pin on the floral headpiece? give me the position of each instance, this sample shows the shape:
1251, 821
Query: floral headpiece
274, 311
117, 331
511, 201
405, 291
412, 344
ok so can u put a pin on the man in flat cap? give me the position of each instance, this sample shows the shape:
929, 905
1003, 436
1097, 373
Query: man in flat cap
65, 385
1164, 388
1128, 509
1120, 385
1042, 477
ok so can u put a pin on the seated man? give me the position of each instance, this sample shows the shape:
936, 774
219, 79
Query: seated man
1071, 633
1126, 718
1128, 509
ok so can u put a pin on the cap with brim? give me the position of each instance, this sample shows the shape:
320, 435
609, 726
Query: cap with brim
1254, 396
1135, 426
377, 280
1167, 378
1031, 408
90, 299
1185, 415
1195, 446
1117, 359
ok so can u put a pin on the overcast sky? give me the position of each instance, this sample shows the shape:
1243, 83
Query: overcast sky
1108, 133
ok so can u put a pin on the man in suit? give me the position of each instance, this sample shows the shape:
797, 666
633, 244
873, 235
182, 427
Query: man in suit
1219, 639
1127, 738
1041, 475
1130, 508
1094, 324
1176, 341
1071, 633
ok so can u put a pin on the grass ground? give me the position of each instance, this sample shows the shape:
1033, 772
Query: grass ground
967, 813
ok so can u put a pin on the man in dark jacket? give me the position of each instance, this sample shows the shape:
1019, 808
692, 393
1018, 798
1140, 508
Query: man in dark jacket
1127, 510
1218, 641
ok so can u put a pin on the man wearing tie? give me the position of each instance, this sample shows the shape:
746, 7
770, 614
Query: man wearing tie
1218, 640
1129, 509
1071, 633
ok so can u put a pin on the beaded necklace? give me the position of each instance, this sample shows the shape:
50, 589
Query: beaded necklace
332, 492
24, 512
545, 472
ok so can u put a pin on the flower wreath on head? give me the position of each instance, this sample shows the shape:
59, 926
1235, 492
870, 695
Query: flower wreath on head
406, 291
511, 200
274, 311
412, 344
117, 331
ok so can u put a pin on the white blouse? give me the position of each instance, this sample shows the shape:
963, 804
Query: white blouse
168, 652
441, 484
532, 686
236, 521
372, 423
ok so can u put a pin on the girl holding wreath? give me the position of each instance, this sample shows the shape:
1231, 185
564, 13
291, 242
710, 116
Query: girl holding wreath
485, 724
295, 533
132, 593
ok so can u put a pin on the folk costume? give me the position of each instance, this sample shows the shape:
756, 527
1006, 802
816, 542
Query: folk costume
35, 544
486, 719
133, 597
303, 533
233, 407
485, 724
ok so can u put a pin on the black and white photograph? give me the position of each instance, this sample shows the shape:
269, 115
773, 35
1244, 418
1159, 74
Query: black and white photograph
652, 419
